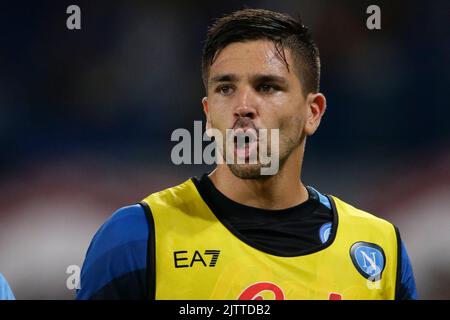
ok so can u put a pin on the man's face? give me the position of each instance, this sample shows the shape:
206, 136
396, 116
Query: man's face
250, 87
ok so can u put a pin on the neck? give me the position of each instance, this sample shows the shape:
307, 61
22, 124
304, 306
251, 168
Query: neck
276, 192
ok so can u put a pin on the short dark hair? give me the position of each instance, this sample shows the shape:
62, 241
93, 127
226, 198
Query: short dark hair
256, 24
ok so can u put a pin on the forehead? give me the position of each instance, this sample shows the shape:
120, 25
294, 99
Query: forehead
252, 57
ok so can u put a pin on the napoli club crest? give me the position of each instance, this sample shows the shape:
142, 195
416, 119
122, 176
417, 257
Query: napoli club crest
369, 259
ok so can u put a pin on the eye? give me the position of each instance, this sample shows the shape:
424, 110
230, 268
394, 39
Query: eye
267, 88
225, 89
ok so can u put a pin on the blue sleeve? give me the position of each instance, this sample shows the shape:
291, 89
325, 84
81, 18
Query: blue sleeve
116, 260
5, 291
407, 290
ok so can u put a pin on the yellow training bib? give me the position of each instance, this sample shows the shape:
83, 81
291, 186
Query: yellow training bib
197, 257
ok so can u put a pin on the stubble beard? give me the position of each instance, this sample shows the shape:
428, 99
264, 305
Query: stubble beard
253, 171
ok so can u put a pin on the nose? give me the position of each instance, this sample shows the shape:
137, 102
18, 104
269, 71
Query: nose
245, 105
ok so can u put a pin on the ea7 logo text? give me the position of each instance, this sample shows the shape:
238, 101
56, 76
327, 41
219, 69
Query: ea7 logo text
186, 259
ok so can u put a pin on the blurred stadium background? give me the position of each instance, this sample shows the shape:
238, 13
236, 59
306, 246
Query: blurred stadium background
86, 118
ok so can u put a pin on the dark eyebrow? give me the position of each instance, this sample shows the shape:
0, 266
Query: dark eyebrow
223, 78
259, 78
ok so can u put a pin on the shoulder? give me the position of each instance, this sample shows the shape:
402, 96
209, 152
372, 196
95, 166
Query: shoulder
358, 214
361, 224
126, 224
178, 195
117, 250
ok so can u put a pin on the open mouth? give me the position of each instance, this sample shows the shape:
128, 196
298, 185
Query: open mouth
245, 143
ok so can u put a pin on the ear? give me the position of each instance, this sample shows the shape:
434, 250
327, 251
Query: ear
206, 111
316, 105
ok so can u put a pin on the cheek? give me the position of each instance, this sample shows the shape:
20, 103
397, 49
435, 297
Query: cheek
290, 116
218, 118
291, 126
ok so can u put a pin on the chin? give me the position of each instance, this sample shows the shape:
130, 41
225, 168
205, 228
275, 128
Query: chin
246, 171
